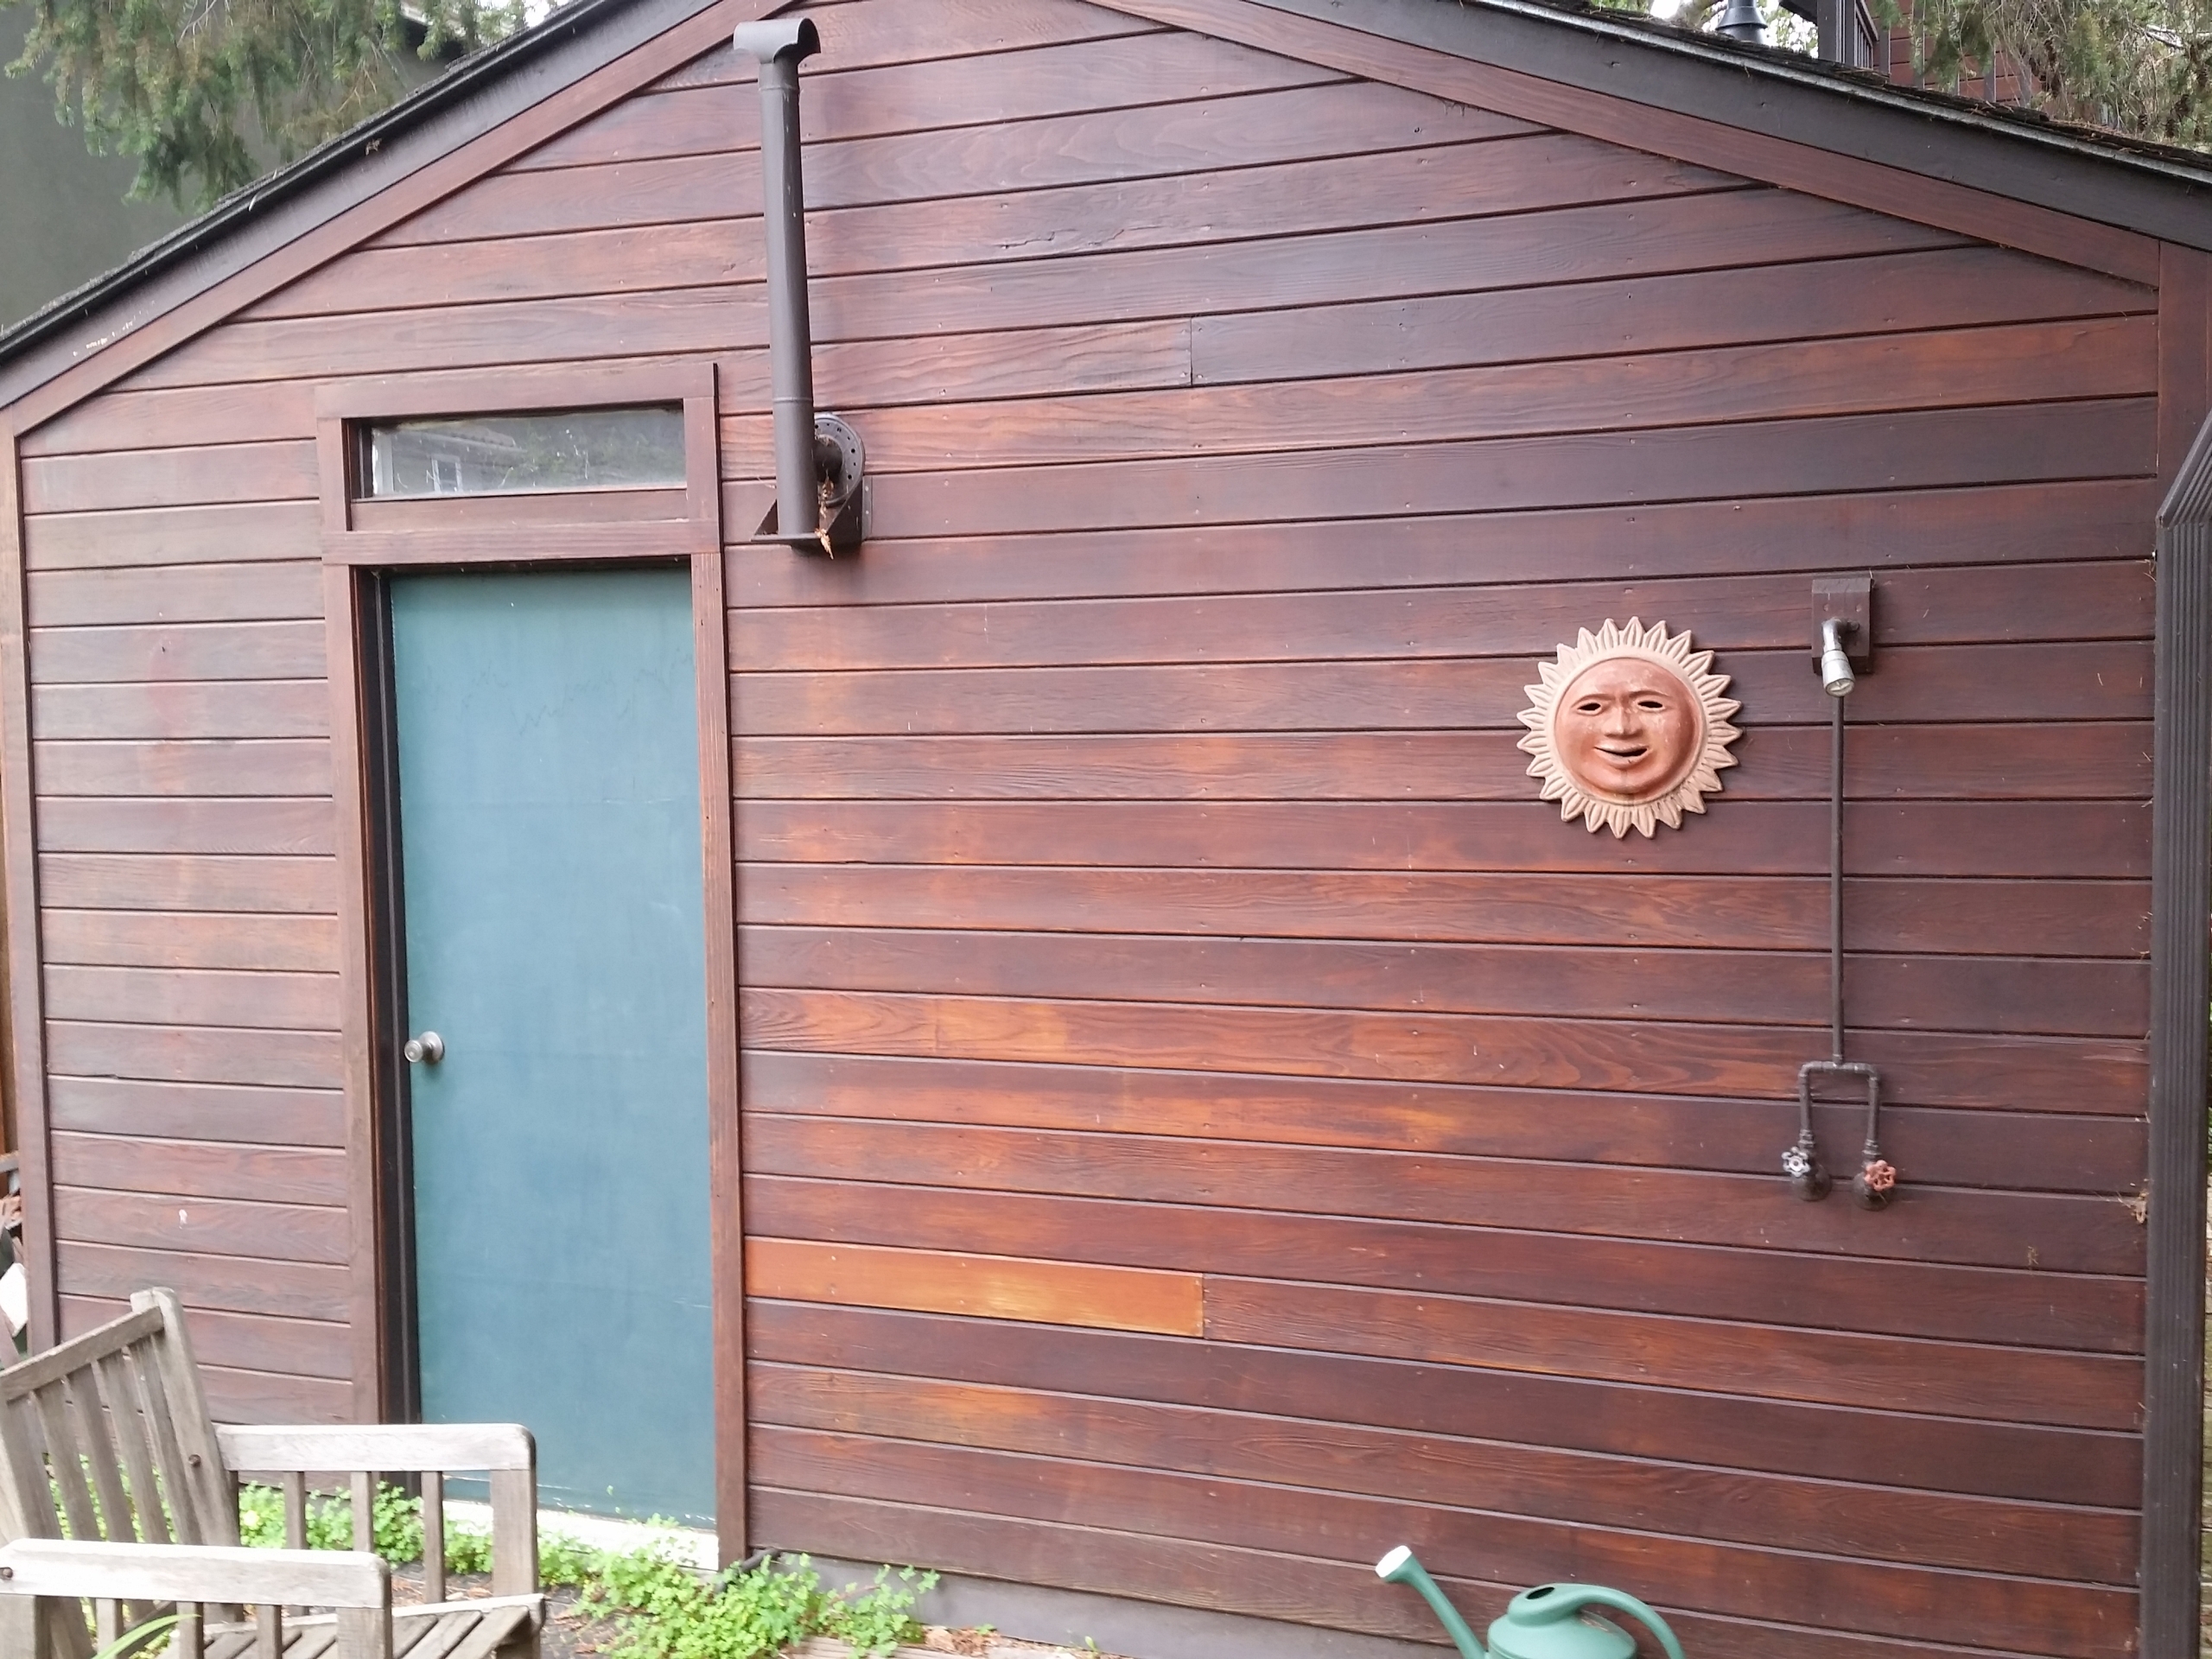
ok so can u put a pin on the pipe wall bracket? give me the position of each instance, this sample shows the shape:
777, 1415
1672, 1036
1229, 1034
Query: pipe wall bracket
846, 491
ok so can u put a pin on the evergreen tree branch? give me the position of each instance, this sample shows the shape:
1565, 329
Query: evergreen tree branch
203, 92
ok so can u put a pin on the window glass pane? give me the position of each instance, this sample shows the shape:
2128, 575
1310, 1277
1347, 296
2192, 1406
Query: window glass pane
494, 454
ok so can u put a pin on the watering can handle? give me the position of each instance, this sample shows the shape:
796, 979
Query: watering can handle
1591, 1595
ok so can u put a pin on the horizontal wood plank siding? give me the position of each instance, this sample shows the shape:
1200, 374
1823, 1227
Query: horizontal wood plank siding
181, 742
1136, 871
1205, 1121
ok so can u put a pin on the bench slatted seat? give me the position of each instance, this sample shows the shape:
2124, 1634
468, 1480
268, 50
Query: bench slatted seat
454, 1629
93, 1427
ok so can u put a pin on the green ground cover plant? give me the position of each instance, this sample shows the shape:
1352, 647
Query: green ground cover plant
664, 1610
661, 1606
138, 1640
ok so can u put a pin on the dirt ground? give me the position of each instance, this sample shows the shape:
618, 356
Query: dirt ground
568, 1634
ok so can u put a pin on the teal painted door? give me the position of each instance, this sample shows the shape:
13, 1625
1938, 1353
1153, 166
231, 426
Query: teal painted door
548, 809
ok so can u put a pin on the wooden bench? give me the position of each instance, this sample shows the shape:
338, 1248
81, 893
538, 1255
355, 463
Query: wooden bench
40, 1577
91, 1427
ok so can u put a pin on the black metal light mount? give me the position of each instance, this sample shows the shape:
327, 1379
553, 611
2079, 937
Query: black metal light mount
821, 466
1740, 20
1843, 648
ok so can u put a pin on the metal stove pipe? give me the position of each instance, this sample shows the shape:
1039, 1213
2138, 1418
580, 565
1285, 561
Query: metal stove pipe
779, 44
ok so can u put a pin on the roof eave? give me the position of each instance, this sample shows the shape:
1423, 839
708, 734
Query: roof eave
2112, 182
2120, 183
469, 98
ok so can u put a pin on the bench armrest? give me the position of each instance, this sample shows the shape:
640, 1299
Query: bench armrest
382, 1448
190, 1573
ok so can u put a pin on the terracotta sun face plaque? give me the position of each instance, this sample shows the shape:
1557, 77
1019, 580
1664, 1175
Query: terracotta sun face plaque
1629, 728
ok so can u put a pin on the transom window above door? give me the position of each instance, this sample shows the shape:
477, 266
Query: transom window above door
533, 465
635, 447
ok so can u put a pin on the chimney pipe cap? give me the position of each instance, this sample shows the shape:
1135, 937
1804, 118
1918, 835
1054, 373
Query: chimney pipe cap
779, 37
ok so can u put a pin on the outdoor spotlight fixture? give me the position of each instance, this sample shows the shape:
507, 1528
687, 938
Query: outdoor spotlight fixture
1836, 677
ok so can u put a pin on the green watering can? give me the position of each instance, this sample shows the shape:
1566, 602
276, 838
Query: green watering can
1549, 1622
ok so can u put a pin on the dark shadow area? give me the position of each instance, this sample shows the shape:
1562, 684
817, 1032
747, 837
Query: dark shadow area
62, 207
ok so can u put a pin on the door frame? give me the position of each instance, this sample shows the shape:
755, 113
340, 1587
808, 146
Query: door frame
364, 541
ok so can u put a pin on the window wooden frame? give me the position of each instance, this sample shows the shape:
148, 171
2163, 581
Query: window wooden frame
362, 541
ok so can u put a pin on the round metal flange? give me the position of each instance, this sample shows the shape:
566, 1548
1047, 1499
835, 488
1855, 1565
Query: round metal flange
840, 476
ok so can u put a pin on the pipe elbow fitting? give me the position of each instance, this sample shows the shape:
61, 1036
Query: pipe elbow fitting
794, 38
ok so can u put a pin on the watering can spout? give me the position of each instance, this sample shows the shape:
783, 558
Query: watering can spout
1399, 1566
1553, 1621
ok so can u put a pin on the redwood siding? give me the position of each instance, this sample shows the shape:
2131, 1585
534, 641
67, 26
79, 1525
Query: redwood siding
1205, 1122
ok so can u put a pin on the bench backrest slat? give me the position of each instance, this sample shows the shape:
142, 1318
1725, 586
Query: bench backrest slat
106, 1436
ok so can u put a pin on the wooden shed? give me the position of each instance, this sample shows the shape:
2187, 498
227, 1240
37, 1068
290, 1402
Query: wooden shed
1062, 1044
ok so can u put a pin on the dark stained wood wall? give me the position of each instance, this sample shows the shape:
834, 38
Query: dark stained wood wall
1205, 1122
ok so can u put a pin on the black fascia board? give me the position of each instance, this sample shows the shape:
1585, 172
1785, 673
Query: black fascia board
2181, 902
2148, 188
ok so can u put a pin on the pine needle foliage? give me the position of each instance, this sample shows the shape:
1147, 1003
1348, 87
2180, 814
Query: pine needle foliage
193, 89
2140, 67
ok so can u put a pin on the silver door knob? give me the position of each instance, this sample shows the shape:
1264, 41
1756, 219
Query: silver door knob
428, 1049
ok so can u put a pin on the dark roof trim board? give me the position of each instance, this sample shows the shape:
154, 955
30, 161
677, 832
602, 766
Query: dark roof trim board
2181, 892
1593, 76
469, 102
464, 79
2150, 189
1989, 174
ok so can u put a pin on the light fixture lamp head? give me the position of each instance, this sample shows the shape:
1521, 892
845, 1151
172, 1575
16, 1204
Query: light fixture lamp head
1836, 677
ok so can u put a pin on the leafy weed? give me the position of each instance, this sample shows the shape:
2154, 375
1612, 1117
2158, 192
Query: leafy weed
664, 1607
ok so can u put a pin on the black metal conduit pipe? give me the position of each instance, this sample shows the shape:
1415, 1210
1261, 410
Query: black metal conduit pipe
1835, 880
780, 44
1873, 1183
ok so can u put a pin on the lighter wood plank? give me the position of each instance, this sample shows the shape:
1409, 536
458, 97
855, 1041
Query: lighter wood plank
211, 1485
514, 1531
130, 1433
985, 1286
447, 1630
184, 1506
383, 1448
434, 1535
89, 1412
322, 1577
42, 1369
